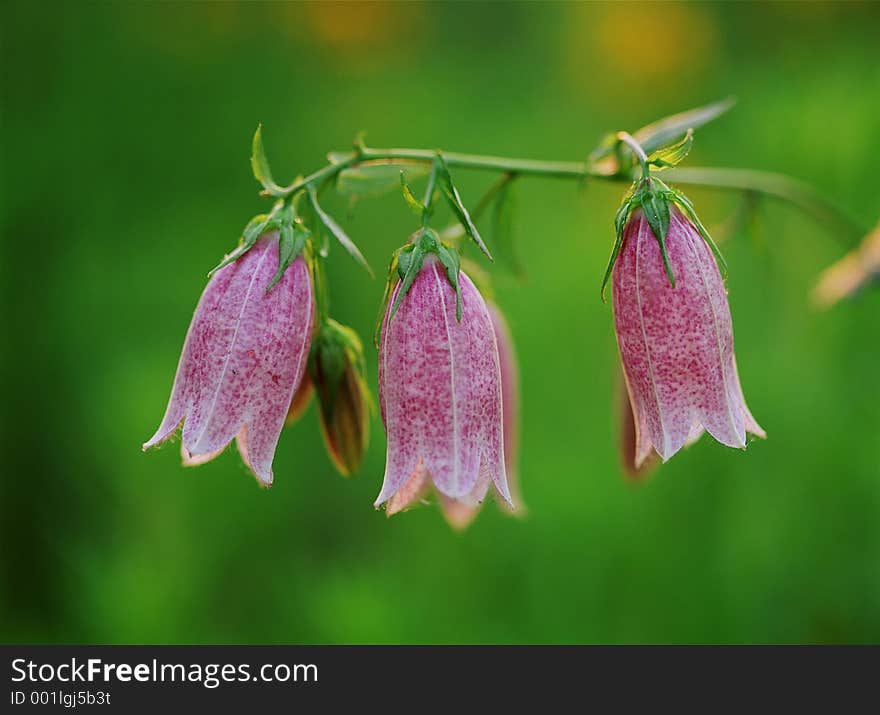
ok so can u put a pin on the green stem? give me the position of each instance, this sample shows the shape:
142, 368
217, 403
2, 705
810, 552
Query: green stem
778, 186
627, 139
429, 194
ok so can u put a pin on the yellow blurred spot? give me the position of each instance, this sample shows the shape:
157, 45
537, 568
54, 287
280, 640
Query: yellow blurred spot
346, 27
633, 44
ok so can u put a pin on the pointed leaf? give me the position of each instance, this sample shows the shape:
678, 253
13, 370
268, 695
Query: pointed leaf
666, 130
260, 165
457, 205
336, 231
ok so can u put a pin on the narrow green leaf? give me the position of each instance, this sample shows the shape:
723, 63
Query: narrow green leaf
260, 165
458, 206
416, 206
666, 130
336, 231
673, 154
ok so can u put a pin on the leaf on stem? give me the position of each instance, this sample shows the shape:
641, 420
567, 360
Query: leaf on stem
669, 129
457, 205
260, 165
336, 230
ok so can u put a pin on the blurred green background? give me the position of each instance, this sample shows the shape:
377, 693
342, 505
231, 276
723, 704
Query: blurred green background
126, 133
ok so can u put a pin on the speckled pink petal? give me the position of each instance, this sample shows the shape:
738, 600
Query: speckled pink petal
243, 357
440, 388
676, 344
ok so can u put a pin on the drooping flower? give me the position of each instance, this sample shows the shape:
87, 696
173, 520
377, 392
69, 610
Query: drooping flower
243, 358
440, 389
676, 340
336, 369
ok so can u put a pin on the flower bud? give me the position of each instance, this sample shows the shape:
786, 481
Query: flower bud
243, 358
676, 339
336, 369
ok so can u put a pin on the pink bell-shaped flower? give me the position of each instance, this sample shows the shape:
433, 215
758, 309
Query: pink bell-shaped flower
243, 358
440, 392
676, 341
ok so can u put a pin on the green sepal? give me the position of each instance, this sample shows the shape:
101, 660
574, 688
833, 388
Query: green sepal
688, 208
451, 261
291, 242
655, 204
674, 154
260, 165
336, 231
457, 205
255, 228
620, 219
390, 281
416, 206
411, 263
